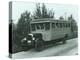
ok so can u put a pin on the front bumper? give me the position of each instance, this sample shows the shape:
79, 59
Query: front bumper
30, 43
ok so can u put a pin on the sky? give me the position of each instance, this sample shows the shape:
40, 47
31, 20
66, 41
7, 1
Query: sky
59, 9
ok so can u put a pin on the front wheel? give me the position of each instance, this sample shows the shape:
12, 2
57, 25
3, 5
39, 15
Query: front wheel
39, 45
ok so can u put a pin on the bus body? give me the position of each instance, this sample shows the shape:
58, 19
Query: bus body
51, 29
47, 31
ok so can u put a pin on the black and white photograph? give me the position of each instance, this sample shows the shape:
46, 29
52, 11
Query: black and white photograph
42, 30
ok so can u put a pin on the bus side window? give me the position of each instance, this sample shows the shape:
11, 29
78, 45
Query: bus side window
38, 26
33, 27
68, 24
57, 25
53, 25
63, 24
47, 26
42, 26
60, 25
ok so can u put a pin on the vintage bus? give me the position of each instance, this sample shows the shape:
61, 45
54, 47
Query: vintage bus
48, 30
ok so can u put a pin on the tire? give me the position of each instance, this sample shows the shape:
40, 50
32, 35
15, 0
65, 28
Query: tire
64, 42
64, 39
39, 45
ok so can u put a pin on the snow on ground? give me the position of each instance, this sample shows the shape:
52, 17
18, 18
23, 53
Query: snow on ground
70, 48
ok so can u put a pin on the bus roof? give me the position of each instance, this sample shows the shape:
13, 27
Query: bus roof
48, 20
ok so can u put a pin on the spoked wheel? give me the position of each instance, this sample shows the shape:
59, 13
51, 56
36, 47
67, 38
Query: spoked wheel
64, 42
39, 45
64, 39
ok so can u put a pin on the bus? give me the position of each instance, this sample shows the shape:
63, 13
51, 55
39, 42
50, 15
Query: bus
48, 30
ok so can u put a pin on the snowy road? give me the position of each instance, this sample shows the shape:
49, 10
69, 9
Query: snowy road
70, 48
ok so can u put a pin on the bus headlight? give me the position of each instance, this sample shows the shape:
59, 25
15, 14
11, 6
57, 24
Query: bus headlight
33, 38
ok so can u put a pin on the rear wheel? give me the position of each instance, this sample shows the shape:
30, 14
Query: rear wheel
39, 45
64, 42
64, 39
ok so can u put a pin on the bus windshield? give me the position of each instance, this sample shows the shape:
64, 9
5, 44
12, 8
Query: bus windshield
29, 37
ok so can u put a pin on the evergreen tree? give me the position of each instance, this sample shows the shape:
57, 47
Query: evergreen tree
42, 12
74, 26
23, 26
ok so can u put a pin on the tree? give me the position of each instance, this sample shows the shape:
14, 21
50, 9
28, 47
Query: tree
51, 14
23, 26
42, 12
61, 18
73, 23
37, 13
